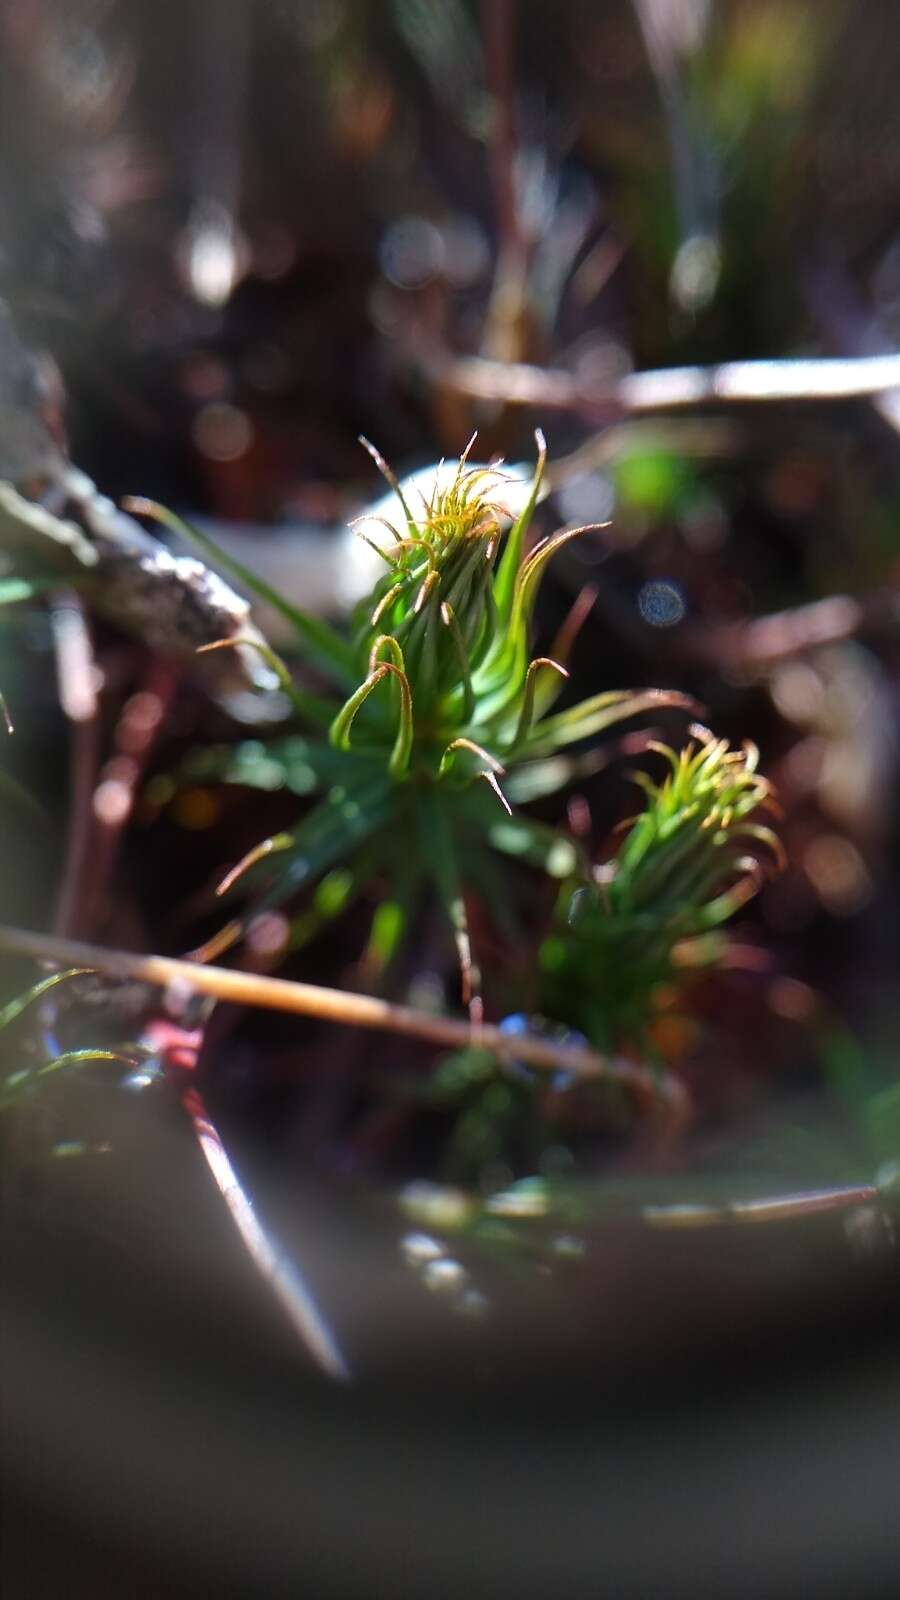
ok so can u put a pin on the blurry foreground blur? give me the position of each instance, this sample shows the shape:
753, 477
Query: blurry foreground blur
232, 239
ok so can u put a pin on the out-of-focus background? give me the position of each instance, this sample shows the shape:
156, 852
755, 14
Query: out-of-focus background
248, 233
235, 234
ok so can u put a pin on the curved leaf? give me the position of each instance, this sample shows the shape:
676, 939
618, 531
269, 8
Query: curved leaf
601, 711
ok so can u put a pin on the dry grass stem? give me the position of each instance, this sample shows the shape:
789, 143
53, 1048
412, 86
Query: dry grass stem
655, 1088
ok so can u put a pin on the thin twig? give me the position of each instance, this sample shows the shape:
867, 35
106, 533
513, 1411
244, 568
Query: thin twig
823, 378
360, 1010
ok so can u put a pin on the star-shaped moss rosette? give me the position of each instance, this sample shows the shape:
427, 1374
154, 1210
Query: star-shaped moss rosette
438, 706
692, 858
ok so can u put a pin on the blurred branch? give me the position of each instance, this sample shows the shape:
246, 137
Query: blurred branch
670, 388
650, 1085
851, 326
753, 381
777, 1208
756, 645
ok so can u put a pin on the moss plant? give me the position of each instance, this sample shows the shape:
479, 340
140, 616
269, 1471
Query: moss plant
623, 941
690, 860
437, 704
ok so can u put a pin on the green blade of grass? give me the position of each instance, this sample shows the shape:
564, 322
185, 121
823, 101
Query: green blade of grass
17, 1083
77, 1058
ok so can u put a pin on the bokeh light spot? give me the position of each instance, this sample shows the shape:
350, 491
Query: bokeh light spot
661, 603
222, 432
